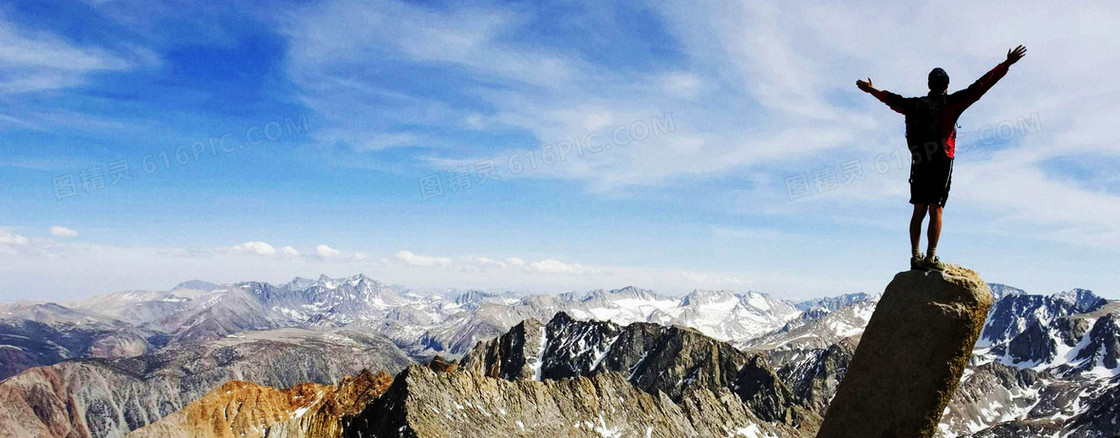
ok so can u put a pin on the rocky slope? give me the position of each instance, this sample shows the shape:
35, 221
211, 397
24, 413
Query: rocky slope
423, 403
104, 398
33, 334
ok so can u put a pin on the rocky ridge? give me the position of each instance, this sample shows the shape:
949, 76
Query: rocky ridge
656, 359
110, 397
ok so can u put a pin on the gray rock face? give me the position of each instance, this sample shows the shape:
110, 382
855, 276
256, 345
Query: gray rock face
423, 403
1034, 344
911, 356
768, 397
813, 375
1103, 349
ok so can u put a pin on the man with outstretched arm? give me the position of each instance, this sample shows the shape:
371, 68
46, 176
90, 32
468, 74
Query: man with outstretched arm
931, 135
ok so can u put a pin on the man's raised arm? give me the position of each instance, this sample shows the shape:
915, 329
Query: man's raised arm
970, 95
892, 100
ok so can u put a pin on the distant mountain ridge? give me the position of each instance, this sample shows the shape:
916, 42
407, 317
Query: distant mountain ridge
426, 324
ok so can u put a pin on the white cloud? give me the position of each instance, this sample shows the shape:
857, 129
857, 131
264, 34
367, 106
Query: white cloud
553, 266
7, 237
289, 251
326, 251
255, 248
58, 231
420, 260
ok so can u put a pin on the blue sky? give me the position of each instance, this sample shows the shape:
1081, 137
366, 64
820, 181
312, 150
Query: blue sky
714, 145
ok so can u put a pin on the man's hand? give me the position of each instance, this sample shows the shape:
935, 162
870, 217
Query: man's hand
865, 85
1014, 55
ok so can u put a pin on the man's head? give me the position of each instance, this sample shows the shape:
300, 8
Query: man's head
938, 80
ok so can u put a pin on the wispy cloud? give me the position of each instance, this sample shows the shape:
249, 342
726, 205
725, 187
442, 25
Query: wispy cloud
39, 60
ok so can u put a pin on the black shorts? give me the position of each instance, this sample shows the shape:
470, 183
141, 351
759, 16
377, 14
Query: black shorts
930, 180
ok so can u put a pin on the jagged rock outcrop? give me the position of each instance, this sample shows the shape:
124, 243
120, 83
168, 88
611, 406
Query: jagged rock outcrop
244, 409
424, 403
508, 356
440, 364
761, 389
911, 356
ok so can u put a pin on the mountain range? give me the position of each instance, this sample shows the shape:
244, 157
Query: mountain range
121, 362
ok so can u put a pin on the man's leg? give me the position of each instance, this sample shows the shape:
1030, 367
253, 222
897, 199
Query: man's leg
916, 227
934, 233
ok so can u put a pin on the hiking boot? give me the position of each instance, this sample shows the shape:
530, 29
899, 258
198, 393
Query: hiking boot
933, 264
917, 262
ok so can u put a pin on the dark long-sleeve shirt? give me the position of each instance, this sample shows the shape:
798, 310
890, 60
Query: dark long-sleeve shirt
931, 120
